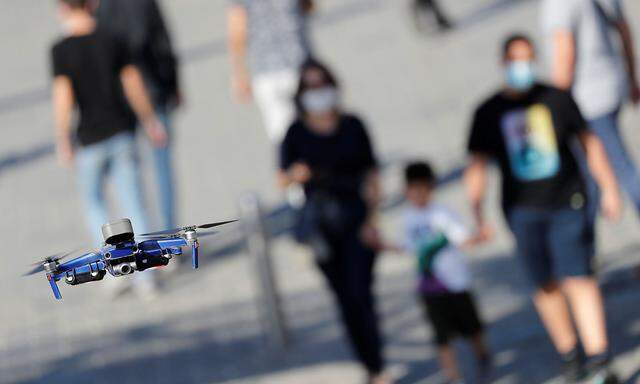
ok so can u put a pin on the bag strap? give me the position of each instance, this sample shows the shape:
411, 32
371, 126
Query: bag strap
611, 22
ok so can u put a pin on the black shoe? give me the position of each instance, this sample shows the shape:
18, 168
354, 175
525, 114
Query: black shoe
601, 373
444, 25
573, 366
485, 368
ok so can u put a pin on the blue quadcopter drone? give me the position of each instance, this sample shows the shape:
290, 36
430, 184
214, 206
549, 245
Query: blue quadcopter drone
121, 255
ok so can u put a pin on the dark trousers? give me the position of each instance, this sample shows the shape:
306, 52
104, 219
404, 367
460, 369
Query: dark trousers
349, 272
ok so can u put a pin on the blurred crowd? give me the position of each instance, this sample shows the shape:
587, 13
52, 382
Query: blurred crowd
556, 143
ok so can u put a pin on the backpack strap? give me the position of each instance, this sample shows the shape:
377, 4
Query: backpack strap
611, 21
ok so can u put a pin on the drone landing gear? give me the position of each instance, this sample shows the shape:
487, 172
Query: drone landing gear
194, 254
54, 287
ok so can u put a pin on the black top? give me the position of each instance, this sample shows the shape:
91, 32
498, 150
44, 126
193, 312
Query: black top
531, 138
339, 162
141, 24
93, 63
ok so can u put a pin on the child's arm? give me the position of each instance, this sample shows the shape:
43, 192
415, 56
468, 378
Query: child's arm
458, 232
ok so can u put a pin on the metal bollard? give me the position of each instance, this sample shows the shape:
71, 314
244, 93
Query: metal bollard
268, 299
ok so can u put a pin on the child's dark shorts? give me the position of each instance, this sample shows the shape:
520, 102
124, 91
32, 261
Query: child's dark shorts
451, 315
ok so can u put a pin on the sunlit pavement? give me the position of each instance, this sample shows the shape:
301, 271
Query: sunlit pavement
416, 93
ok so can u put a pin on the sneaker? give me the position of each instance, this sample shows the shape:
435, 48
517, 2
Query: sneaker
573, 367
601, 374
380, 379
485, 367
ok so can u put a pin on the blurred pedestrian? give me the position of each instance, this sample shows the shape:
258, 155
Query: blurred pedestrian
330, 154
528, 128
141, 24
426, 11
268, 42
94, 72
585, 58
436, 236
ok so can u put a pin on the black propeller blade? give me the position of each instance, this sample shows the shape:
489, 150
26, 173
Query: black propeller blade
56, 256
166, 232
207, 234
39, 266
38, 269
177, 231
212, 225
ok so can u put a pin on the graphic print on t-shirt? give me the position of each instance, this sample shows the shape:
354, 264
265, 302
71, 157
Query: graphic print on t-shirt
531, 143
429, 245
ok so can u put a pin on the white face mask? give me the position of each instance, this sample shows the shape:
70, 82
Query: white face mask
320, 100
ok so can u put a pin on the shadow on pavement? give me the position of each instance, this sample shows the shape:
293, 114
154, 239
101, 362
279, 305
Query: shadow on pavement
17, 159
222, 343
486, 12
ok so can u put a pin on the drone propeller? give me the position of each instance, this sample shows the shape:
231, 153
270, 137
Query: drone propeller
39, 265
177, 231
212, 225
207, 234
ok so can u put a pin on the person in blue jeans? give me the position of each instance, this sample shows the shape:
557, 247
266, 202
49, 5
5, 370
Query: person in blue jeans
142, 25
93, 72
584, 57
528, 129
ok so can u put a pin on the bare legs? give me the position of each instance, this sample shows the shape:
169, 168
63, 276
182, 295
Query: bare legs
449, 363
581, 297
587, 307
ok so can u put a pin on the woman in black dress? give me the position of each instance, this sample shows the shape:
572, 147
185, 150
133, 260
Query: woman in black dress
329, 153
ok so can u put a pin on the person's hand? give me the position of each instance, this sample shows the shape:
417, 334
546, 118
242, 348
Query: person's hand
177, 100
156, 132
611, 204
635, 93
485, 232
370, 236
65, 153
300, 173
241, 86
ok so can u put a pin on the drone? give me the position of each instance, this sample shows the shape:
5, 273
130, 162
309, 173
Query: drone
121, 255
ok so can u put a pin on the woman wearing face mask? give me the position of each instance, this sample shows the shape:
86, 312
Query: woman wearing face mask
329, 153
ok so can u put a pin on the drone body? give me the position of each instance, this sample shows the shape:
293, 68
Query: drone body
122, 255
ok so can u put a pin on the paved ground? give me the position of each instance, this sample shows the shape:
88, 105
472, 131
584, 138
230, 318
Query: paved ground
417, 94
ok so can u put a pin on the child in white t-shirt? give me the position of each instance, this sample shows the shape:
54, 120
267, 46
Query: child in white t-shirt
435, 235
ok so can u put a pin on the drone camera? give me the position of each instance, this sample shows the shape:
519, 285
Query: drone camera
123, 269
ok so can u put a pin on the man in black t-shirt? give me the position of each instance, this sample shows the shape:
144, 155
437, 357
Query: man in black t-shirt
93, 71
529, 130
142, 26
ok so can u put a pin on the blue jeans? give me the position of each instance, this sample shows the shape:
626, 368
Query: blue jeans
606, 127
163, 172
115, 157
